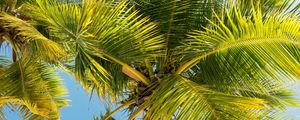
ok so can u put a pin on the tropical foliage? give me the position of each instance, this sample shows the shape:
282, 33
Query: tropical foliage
167, 59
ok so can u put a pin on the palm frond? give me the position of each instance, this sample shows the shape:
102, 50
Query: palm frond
118, 83
264, 48
4, 62
267, 6
275, 114
183, 99
27, 37
248, 56
33, 89
175, 18
97, 30
2, 115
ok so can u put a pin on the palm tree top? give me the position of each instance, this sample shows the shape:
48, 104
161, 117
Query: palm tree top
183, 59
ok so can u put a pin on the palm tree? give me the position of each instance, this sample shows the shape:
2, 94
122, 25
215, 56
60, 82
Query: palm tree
183, 59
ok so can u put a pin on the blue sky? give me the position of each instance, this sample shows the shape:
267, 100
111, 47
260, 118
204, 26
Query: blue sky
82, 108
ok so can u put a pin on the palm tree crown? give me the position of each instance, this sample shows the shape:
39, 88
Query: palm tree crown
182, 59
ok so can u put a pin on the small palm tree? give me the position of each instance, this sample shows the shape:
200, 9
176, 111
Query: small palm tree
183, 59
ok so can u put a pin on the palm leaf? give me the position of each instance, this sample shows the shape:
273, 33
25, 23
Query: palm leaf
176, 18
251, 56
247, 42
267, 6
184, 99
33, 89
2, 115
97, 30
29, 37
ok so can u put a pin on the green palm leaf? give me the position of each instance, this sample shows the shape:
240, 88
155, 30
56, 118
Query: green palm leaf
183, 99
183, 59
28, 38
175, 18
97, 30
247, 40
249, 56
33, 89
2, 115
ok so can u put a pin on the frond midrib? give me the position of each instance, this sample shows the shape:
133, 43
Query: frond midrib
234, 44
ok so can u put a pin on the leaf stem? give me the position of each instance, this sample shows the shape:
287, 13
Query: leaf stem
119, 108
